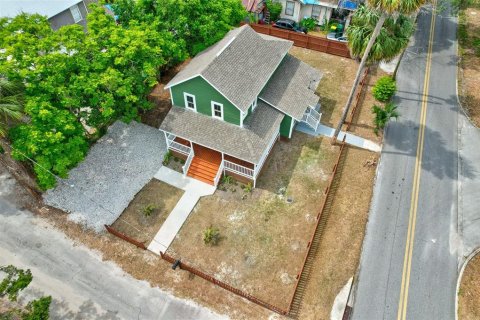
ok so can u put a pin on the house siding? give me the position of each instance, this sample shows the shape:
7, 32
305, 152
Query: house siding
285, 126
65, 17
204, 95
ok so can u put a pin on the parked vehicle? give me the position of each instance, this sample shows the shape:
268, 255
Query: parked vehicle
336, 37
289, 24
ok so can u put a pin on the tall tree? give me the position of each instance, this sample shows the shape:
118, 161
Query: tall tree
196, 23
385, 9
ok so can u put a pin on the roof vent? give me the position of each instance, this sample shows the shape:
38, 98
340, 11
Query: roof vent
225, 47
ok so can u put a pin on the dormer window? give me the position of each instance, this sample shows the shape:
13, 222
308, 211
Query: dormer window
217, 110
190, 101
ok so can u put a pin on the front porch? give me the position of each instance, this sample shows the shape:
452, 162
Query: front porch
209, 165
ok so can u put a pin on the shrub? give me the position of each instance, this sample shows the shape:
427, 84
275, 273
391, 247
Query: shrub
148, 209
227, 179
275, 9
167, 157
383, 115
211, 236
384, 89
38, 309
308, 23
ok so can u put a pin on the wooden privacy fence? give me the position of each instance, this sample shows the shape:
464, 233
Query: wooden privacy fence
305, 40
139, 244
225, 286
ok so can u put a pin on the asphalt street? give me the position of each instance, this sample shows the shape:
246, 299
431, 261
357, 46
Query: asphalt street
81, 284
423, 280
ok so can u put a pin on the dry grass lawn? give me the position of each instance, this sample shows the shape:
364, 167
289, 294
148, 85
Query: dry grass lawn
338, 76
135, 223
469, 293
469, 71
263, 237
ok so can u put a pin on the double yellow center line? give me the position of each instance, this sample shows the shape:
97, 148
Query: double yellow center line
407, 262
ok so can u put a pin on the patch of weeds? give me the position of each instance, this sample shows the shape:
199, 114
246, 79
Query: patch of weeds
476, 46
227, 179
148, 209
167, 157
248, 188
2, 151
211, 236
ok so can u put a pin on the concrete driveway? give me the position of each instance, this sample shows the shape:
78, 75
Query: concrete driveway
81, 284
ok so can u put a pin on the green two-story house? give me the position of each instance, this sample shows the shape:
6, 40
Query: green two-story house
234, 100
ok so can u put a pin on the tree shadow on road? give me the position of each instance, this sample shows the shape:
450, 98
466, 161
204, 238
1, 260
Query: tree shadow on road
87, 310
437, 158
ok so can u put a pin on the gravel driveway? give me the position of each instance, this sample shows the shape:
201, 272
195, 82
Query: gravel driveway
115, 169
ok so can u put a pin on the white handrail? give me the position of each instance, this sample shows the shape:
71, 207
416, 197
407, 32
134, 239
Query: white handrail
219, 174
180, 147
265, 155
239, 169
186, 166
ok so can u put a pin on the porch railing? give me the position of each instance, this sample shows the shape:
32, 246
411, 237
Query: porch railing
312, 118
238, 169
265, 155
186, 166
219, 174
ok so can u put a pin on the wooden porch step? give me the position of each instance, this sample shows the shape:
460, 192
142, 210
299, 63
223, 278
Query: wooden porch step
198, 177
200, 167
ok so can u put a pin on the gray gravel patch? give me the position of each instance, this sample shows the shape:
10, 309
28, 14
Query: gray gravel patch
115, 169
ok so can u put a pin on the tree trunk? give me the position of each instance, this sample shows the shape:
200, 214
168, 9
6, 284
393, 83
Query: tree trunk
394, 75
375, 34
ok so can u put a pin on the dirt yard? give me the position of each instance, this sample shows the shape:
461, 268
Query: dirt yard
253, 234
338, 76
264, 234
469, 71
147, 212
469, 293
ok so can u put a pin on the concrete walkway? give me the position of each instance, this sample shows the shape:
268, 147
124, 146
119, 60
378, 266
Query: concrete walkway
194, 189
350, 139
468, 185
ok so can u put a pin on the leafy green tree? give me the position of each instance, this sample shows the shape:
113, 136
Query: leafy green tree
197, 24
275, 9
383, 115
385, 9
78, 83
11, 103
15, 281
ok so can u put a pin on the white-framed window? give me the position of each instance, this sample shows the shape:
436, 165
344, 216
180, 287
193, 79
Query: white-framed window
289, 8
316, 9
190, 101
217, 110
76, 14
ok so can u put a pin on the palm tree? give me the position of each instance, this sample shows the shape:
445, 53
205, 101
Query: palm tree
391, 40
385, 9
11, 104
383, 115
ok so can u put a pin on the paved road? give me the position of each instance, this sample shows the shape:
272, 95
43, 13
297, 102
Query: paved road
82, 286
435, 247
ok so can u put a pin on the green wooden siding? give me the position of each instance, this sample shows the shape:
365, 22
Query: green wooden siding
204, 95
285, 126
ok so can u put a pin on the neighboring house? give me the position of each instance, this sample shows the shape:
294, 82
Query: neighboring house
299, 9
234, 100
58, 12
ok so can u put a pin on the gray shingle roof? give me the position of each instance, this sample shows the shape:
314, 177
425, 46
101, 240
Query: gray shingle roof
247, 143
238, 66
288, 88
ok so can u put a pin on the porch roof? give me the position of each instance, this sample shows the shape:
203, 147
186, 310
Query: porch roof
291, 89
247, 143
